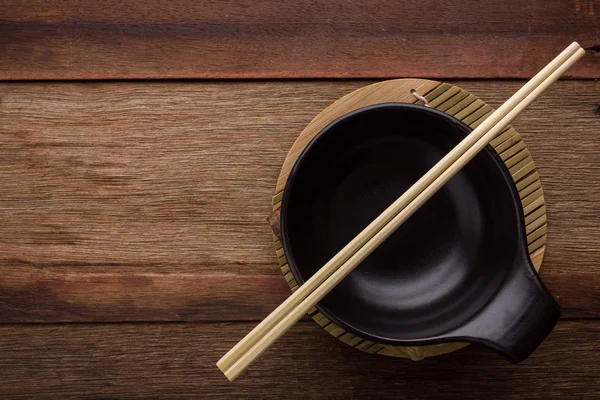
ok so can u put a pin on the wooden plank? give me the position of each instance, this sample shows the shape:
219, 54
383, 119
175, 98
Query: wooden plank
131, 201
79, 39
30, 294
177, 361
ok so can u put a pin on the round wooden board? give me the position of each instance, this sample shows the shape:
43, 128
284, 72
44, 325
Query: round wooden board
453, 101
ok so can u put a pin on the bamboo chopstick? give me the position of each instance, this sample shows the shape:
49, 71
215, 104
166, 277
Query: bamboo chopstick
343, 255
239, 357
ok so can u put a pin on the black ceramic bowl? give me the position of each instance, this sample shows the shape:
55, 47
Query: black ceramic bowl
457, 270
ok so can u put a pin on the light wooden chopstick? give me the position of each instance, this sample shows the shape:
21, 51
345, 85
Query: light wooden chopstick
343, 255
289, 312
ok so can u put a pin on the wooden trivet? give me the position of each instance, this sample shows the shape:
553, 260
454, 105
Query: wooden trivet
453, 101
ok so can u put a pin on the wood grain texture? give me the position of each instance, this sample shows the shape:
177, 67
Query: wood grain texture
83, 39
125, 201
176, 361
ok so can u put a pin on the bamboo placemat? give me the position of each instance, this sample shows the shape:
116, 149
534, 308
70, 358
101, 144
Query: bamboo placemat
453, 101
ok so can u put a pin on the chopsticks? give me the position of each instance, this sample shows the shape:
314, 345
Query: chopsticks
324, 280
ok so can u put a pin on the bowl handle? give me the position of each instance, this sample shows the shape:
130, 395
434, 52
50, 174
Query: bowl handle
518, 319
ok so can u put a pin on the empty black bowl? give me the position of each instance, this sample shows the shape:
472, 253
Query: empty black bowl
457, 270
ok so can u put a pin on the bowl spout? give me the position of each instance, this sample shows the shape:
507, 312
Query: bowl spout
518, 319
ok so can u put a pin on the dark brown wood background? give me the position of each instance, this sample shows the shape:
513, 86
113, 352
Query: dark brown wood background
115, 39
134, 248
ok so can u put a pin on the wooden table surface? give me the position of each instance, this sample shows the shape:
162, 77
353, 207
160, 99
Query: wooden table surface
140, 144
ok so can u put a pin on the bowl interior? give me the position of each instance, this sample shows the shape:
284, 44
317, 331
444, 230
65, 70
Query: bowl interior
442, 265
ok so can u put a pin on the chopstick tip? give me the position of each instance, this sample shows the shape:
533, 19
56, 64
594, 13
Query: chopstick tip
226, 372
229, 376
